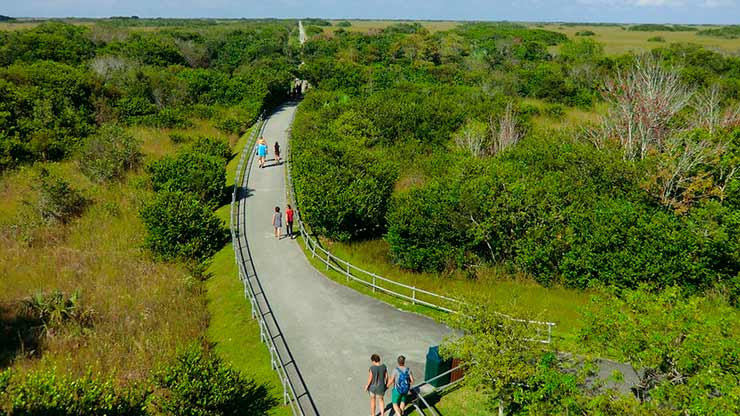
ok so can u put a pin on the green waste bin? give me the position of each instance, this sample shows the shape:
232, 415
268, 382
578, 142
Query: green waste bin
435, 366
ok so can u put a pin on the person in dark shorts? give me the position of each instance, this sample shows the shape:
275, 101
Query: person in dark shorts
289, 221
401, 379
276, 149
377, 378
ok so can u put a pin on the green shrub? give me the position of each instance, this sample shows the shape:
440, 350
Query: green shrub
109, 154
344, 193
656, 39
344, 23
56, 308
198, 383
200, 174
45, 393
179, 138
232, 125
129, 107
179, 226
210, 146
426, 230
585, 33
166, 118
58, 200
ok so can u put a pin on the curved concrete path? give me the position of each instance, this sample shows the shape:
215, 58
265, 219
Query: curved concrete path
331, 329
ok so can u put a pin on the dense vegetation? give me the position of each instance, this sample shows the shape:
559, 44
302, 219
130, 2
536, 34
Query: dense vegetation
449, 146
90, 178
416, 136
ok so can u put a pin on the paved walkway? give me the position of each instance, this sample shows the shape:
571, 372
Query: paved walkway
331, 329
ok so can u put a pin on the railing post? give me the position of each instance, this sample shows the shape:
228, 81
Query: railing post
413, 296
374, 284
328, 259
285, 390
348, 275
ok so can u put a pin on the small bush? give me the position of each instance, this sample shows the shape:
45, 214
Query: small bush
56, 308
179, 226
198, 383
656, 39
167, 118
344, 23
201, 174
178, 138
109, 154
58, 200
585, 33
231, 125
47, 394
556, 111
210, 146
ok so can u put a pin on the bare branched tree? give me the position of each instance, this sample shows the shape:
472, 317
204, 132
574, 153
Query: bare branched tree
731, 117
504, 132
708, 109
643, 101
677, 181
472, 137
104, 66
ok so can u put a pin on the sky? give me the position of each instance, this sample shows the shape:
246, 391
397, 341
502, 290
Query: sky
621, 11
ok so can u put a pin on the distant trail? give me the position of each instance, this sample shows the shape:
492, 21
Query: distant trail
331, 329
301, 33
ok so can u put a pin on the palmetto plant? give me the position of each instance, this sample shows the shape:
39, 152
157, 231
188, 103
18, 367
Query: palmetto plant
56, 308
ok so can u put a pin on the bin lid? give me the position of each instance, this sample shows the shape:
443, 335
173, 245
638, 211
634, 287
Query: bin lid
433, 352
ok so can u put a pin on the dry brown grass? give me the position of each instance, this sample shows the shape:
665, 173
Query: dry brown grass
145, 309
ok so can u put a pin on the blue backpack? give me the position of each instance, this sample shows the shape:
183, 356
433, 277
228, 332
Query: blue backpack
403, 383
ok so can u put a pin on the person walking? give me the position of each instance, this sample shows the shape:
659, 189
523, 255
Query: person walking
401, 379
377, 378
277, 222
276, 149
289, 221
261, 151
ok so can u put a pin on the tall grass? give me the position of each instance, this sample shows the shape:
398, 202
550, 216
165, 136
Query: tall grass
144, 309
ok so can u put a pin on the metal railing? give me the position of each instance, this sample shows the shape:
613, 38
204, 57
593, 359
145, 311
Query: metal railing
382, 284
295, 392
420, 396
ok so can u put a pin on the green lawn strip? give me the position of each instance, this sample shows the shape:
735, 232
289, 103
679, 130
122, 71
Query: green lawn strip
231, 326
400, 303
462, 401
534, 301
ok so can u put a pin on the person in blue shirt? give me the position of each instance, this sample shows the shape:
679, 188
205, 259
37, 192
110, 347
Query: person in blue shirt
261, 151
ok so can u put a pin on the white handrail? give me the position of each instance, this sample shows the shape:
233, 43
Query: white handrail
344, 267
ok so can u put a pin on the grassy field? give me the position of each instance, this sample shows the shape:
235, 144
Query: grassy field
144, 310
618, 41
371, 25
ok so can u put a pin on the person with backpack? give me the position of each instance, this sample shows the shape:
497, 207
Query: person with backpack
377, 377
401, 379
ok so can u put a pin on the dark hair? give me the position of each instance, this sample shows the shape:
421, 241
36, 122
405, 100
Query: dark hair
289, 207
375, 358
277, 209
401, 360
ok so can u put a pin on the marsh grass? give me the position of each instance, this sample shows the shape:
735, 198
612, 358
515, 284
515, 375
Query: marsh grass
144, 309
617, 41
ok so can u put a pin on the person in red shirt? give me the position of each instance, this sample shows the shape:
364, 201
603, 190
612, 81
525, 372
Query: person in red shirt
289, 221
